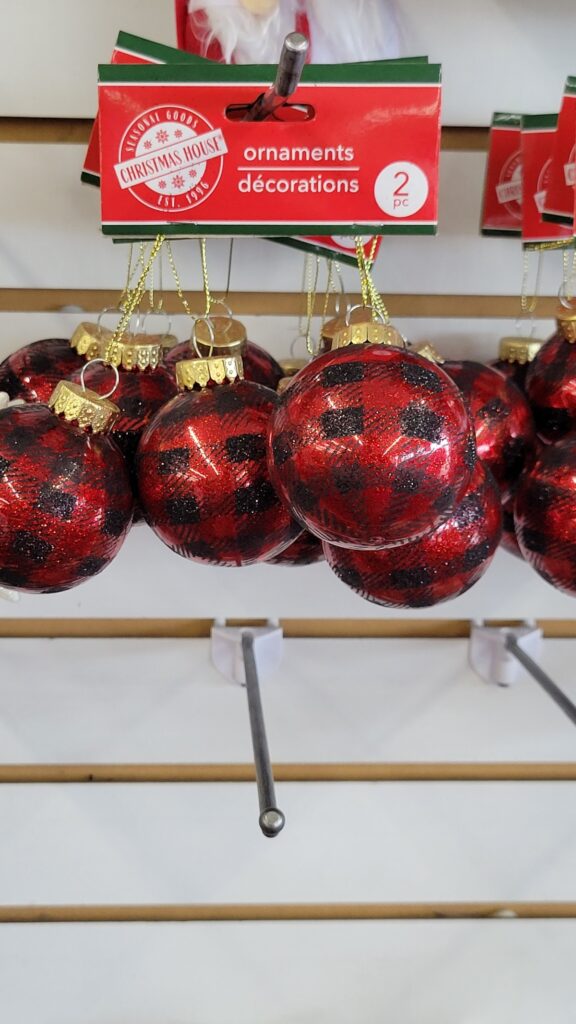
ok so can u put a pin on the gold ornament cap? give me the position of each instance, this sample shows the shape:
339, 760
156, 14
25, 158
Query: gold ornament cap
566, 321
224, 336
137, 352
427, 351
518, 349
82, 406
290, 367
329, 329
88, 339
370, 332
191, 373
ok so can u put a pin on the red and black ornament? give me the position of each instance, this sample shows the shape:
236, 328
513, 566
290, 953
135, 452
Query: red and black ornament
514, 358
33, 371
503, 422
551, 381
226, 336
202, 473
371, 445
440, 566
545, 514
65, 498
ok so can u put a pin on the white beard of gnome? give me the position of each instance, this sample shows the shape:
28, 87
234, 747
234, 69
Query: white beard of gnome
340, 31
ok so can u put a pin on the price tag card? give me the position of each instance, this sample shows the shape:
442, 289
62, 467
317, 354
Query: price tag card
559, 198
362, 160
537, 141
502, 205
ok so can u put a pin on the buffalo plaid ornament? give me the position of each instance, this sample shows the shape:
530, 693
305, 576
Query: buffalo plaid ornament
305, 550
509, 539
33, 371
370, 445
202, 474
144, 386
434, 568
503, 422
514, 357
545, 515
228, 337
65, 497
551, 381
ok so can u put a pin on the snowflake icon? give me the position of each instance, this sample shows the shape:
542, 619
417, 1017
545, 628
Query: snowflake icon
177, 181
162, 184
178, 134
147, 144
193, 173
162, 136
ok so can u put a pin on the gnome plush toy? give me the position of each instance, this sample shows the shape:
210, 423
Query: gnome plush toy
252, 31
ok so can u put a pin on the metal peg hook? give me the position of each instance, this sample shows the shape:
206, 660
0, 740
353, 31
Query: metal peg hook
541, 677
288, 74
271, 818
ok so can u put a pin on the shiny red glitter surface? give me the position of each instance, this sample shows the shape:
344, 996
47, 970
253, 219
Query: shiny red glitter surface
305, 550
203, 479
32, 372
545, 515
65, 501
371, 446
503, 422
139, 395
259, 366
509, 539
435, 568
551, 388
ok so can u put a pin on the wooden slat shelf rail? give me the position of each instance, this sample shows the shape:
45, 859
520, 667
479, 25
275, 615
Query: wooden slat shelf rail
89, 913
300, 773
92, 300
169, 629
76, 131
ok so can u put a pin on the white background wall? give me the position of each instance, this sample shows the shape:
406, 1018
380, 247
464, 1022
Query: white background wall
332, 701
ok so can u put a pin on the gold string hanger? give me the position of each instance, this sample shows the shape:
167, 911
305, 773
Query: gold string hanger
310, 273
370, 295
115, 351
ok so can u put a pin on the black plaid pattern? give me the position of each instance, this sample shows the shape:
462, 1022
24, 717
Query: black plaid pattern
244, 447
182, 511
114, 522
283, 446
256, 498
416, 576
4, 465
406, 482
349, 478
175, 460
422, 377
419, 421
55, 502
31, 546
343, 373
342, 422
550, 388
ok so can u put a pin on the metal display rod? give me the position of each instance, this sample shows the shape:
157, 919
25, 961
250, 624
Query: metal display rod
547, 684
271, 818
288, 74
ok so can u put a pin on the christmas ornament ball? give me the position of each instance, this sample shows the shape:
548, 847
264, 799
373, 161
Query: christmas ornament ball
305, 550
503, 422
203, 479
32, 372
440, 566
138, 395
259, 366
371, 446
509, 539
65, 500
551, 388
545, 515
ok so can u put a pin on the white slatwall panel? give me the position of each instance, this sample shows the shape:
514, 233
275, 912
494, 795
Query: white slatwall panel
131, 701
502, 972
179, 843
51, 239
498, 55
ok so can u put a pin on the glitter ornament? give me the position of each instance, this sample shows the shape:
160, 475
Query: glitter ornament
551, 380
503, 423
65, 497
509, 539
440, 566
305, 550
202, 474
33, 371
228, 338
144, 385
545, 515
514, 357
371, 445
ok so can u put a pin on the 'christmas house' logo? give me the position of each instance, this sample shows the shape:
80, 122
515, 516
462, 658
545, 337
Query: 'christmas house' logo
170, 158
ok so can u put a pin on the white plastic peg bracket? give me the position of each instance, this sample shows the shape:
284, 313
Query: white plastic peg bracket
226, 650
489, 657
